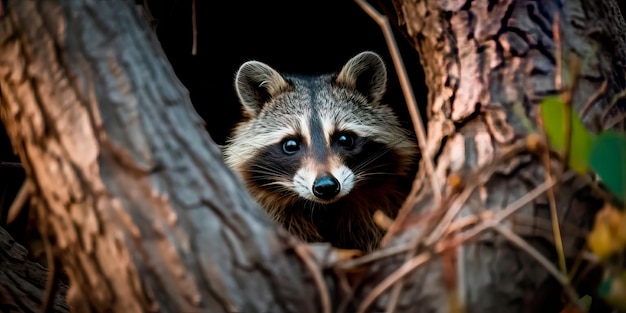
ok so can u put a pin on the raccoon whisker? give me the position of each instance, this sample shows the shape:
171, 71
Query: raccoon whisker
272, 177
393, 144
267, 171
277, 187
266, 177
378, 173
311, 209
373, 157
373, 177
281, 184
363, 165
361, 176
375, 166
386, 175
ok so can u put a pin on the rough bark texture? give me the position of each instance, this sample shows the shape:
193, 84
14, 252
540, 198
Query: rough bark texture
141, 211
144, 216
481, 59
22, 282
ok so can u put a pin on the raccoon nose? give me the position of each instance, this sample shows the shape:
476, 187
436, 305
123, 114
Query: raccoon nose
326, 187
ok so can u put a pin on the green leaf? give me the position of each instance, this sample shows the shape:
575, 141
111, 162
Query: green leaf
553, 112
608, 160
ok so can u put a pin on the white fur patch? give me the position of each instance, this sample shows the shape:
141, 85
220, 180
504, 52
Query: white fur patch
305, 177
345, 176
303, 183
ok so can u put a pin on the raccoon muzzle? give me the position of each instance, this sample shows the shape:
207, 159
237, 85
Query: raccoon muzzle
326, 187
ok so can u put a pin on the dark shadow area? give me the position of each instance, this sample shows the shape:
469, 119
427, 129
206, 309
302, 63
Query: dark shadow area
291, 36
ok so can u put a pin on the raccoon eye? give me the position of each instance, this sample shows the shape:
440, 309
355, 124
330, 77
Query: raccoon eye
345, 140
291, 146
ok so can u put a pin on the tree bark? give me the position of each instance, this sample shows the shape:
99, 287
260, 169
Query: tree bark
144, 216
22, 282
482, 61
140, 210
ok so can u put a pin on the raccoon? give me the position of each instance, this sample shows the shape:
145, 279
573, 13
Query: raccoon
321, 153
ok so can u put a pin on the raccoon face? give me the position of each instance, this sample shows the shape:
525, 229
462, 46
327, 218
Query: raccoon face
316, 138
330, 165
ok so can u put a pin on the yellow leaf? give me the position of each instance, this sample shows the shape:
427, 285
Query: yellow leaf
608, 235
600, 241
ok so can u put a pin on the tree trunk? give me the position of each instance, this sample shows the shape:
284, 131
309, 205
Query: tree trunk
22, 282
140, 210
144, 216
484, 60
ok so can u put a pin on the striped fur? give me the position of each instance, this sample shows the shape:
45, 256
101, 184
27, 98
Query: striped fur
321, 154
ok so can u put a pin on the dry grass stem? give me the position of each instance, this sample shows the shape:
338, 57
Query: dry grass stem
394, 277
20, 201
588, 105
304, 253
373, 256
416, 118
618, 119
194, 28
471, 185
11, 164
413, 263
407, 90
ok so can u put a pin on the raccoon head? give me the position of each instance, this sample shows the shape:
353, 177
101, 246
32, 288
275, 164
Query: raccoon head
316, 138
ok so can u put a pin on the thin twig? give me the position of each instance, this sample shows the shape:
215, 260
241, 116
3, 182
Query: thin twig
556, 228
556, 231
460, 239
567, 123
461, 287
558, 67
407, 90
194, 30
19, 201
619, 119
406, 208
621, 95
482, 174
467, 221
394, 277
373, 256
499, 216
593, 99
11, 164
305, 254
409, 96
522, 244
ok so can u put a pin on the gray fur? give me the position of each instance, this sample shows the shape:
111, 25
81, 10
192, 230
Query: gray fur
255, 83
366, 73
279, 107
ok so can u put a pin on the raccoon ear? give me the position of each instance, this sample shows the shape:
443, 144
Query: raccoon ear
367, 74
257, 82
